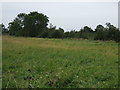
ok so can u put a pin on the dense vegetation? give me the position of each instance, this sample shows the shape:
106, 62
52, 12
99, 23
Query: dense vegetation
35, 24
57, 63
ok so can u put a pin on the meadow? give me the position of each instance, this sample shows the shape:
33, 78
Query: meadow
58, 63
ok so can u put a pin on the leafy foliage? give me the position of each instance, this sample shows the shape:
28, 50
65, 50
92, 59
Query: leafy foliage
35, 24
3, 30
29, 25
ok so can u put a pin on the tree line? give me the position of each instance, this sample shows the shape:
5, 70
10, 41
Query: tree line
35, 24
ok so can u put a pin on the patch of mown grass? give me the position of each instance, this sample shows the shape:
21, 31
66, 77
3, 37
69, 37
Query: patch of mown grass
57, 63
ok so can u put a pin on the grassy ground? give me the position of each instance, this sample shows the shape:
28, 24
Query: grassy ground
55, 63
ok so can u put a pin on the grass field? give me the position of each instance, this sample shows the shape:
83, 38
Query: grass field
57, 63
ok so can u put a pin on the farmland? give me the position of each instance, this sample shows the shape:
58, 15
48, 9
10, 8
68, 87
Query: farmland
59, 63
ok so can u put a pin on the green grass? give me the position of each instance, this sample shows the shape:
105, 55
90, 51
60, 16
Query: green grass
57, 63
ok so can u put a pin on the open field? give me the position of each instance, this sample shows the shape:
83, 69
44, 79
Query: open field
55, 63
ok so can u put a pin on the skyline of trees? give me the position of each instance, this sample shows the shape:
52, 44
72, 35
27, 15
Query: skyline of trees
35, 24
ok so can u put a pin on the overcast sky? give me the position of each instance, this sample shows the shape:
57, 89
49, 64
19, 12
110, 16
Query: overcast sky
67, 15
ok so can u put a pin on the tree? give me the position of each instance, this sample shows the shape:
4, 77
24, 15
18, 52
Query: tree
100, 33
17, 25
45, 34
87, 29
14, 28
57, 34
52, 27
99, 28
36, 23
67, 34
108, 33
3, 30
107, 24
32, 24
62, 30
86, 33
72, 34
113, 33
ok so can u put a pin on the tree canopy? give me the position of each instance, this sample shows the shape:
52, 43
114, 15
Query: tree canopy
35, 24
31, 24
